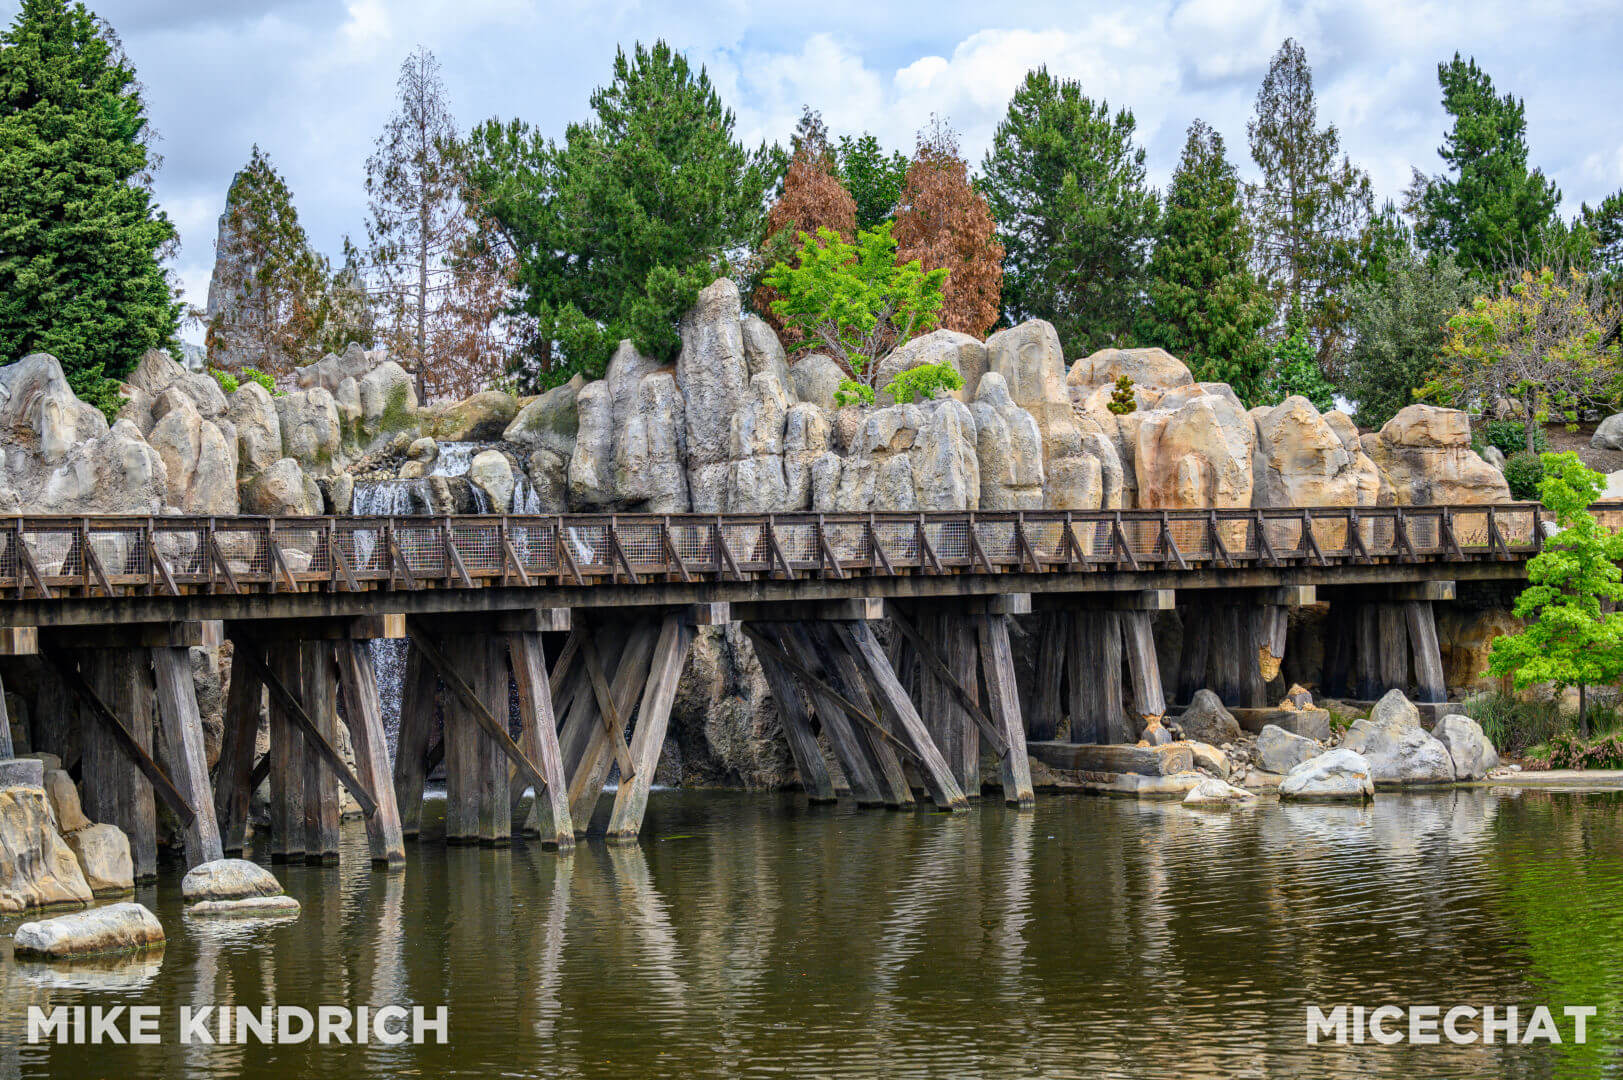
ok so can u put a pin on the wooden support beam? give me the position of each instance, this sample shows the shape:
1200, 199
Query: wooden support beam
116, 787
182, 728
997, 664
944, 791
286, 754
363, 714
538, 736
1097, 713
495, 816
460, 740
591, 768
963, 654
418, 708
1050, 676
878, 745
614, 721
958, 692
844, 739
1197, 637
232, 794
1394, 648
797, 730
1428, 657
1143, 667
1367, 652
648, 738
318, 694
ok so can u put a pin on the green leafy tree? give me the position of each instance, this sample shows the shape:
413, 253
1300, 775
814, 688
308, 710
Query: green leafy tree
855, 301
1605, 225
1066, 185
1296, 369
1311, 209
1488, 207
873, 177
1205, 305
924, 383
80, 237
1570, 640
1399, 327
1545, 338
617, 229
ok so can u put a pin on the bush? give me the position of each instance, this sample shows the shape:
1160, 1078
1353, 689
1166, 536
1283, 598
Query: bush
227, 381
1510, 436
851, 392
1524, 472
1566, 750
922, 383
255, 375
1122, 400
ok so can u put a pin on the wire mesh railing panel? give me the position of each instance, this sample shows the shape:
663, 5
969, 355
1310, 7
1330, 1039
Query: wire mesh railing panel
798, 539
479, 546
587, 543
849, 541
54, 550
696, 543
642, 541
900, 539
421, 546
950, 539
1047, 538
998, 541
183, 547
535, 543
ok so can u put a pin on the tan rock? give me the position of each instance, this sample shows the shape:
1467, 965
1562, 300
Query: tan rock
115, 928
1424, 456
37, 868
480, 418
64, 796
1300, 460
1198, 455
103, 852
1149, 368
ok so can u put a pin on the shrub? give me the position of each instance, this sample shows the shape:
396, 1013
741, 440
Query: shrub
1566, 750
851, 392
255, 375
1510, 436
1524, 472
1122, 400
922, 383
227, 381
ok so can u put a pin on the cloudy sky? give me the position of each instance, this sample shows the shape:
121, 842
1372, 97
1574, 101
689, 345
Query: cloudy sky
311, 81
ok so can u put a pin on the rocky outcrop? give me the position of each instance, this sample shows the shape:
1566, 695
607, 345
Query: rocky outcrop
650, 449
1608, 433
104, 931
1338, 775
252, 411
331, 370
200, 464
312, 433
713, 376
1197, 454
1010, 449
756, 482
1424, 456
764, 352
1398, 749
907, 457
962, 353
492, 473
1300, 460
283, 490
104, 858
816, 378
1471, 751
1465, 637
481, 418
37, 868
544, 432
1150, 369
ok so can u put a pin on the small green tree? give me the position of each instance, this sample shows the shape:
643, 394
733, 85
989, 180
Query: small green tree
1569, 640
923, 383
1122, 400
1296, 369
855, 301
873, 177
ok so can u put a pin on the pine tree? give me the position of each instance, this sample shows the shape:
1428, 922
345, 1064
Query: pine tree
1310, 210
346, 314
268, 287
1488, 208
1204, 304
616, 230
1076, 216
813, 199
873, 177
1605, 224
80, 238
945, 224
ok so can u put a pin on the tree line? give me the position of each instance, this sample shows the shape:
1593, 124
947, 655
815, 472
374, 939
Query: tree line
497, 256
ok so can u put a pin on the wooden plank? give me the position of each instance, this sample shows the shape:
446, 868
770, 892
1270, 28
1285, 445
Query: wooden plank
549, 813
1050, 675
1367, 652
287, 758
363, 714
183, 742
614, 721
461, 742
318, 693
232, 794
844, 739
879, 746
1115, 758
963, 654
858, 637
1096, 667
1427, 656
648, 738
997, 664
937, 667
116, 790
1143, 667
797, 730
592, 770
495, 814
418, 706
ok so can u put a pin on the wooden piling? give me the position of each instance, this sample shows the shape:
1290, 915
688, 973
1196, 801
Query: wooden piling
601, 736
1197, 639
1428, 657
538, 736
1367, 651
1046, 695
846, 676
364, 716
1394, 648
962, 652
1143, 667
115, 790
495, 819
997, 664
648, 737
845, 740
287, 762
462, 750
318, 692
418, 707
797, 730
233, 791
1096, 667
183, 743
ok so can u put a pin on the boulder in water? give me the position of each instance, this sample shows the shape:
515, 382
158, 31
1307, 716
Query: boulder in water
1471, 750
116, 928
1214, 792
1335, 774
1280, 751
1397, 748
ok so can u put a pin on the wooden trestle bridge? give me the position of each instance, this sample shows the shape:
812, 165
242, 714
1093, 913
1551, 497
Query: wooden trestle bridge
587, 620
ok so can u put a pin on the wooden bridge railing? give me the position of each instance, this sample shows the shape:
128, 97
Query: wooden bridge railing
95, 556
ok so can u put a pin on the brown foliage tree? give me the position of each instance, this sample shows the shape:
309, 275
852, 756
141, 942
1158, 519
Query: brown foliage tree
813, 198
945, 223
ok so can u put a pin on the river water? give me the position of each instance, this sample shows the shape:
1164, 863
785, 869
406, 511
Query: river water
754, 935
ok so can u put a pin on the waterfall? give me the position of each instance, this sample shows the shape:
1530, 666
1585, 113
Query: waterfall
526, 500
389, 662
454, 458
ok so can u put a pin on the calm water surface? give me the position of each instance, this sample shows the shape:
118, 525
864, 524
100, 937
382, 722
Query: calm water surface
754, 935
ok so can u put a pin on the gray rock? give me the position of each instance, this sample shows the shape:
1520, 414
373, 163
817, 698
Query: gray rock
64, 799
228, 879
115, 928
816, 378
1214, 792
1009, 448
480, 418
755, 477
283, 490
312, 434
649, 450
960, 351
1154, 369
1335, 775
806, 432
1207, 721
1210, 758
1608, 435
389, 403
22, 772
492, 473
254, 907
713, 376
200, 465
549, 422
591, 464
1494, 456
1280, 751
252, 412
1397, 748
764, 352
1472, 752
104, 858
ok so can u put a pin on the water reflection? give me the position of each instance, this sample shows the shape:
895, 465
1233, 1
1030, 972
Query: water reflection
1094, 937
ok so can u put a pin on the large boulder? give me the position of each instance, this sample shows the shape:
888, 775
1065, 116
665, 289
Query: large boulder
480, 418
1301, 460
1339, 774
388, 403
756, 482
713, 376
1398, 749
816, 378
649, 450
252, 411
200, 463
1424, 456
1152, 369
1197, 455
1207, 721
591, 461
63, 796
910, 457
283, 490
1608, 433
103, 931
104, 858
1472, 752
312, 433
1280, 751
156, 373
764, 352
1009, 447
228, 879
37, 868
39, 410
492, 473
355, 362
959, 351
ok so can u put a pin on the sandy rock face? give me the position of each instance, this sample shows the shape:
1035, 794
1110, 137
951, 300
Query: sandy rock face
1301, 460
1424, 456
103, 852
1010, 449
37, 868
1198, 454
1153, 369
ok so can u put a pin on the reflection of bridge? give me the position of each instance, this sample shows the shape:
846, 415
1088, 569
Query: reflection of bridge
111, 604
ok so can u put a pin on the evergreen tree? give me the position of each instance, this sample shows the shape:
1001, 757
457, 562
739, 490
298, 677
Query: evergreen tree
1399, 327
1075, 215
873, 178
80, 238
1488, 208
1310, 211
944, 224
1204, 304
616, 230
268, 289
1605, 225
346, 314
